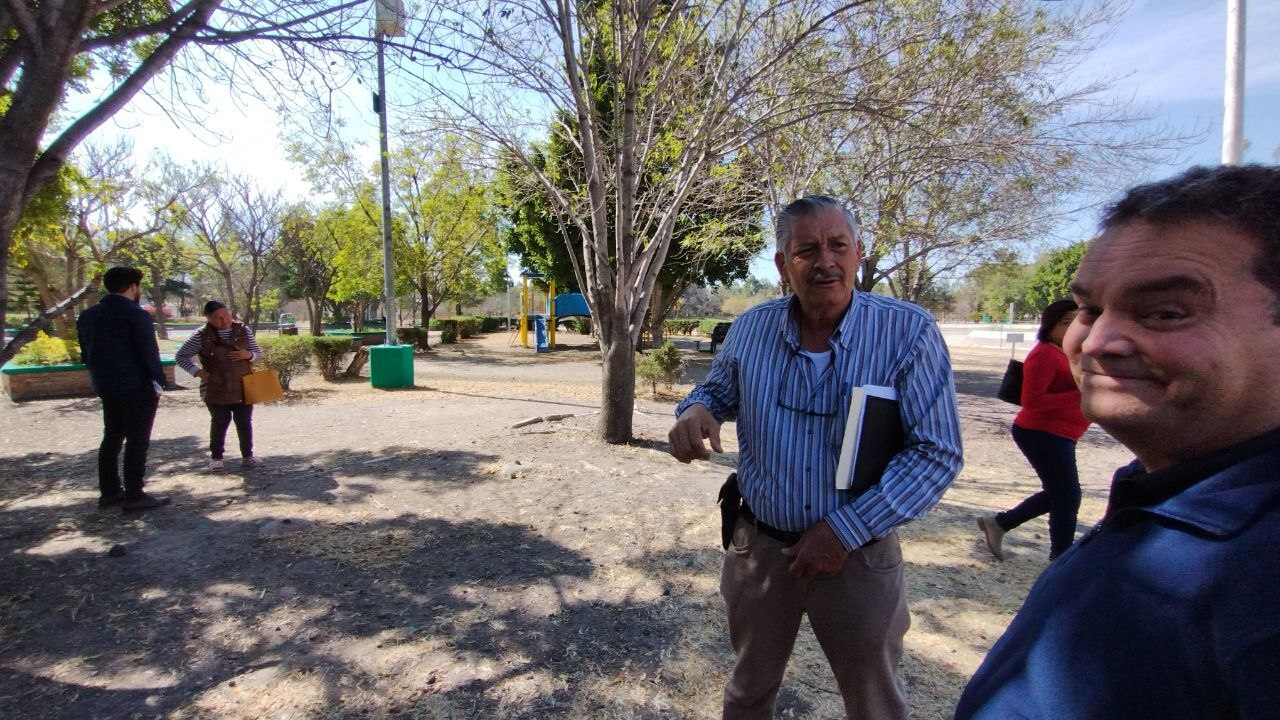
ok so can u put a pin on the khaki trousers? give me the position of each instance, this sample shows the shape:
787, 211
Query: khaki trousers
858, 616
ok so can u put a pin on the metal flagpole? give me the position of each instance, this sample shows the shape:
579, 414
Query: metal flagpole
388, 279
1233, 96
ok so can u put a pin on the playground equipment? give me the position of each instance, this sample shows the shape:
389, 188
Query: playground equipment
556, 306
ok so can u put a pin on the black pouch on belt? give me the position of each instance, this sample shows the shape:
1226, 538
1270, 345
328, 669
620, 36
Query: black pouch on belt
730, 505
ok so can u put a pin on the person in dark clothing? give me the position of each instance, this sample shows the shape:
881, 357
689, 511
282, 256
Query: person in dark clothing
1169, 607
226, 350
1046, 431
118, 345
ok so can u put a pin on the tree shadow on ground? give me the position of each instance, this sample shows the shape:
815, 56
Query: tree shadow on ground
430, 617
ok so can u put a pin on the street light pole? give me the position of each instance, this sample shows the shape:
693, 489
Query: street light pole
388, 280
1233, 97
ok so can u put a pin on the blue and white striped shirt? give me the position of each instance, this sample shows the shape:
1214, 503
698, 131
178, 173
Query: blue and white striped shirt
791, 420
190, 350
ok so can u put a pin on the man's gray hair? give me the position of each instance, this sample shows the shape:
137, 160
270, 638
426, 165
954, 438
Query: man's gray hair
811, 205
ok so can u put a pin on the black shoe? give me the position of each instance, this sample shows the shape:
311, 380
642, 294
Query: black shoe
143, 501
111, 500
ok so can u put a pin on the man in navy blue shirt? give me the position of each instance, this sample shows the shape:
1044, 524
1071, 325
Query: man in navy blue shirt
118, 344
1170, 607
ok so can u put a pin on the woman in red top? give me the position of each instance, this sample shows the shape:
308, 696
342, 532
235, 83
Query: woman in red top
1046, 430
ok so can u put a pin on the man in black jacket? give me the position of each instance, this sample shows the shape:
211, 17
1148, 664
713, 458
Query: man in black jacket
118, 344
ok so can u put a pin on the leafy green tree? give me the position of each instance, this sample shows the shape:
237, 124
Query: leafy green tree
357, 263
713, 242
450, 247
999, 283
308, 244
115, 48
1052, 276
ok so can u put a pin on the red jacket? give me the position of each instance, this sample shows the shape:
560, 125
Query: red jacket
1050, 397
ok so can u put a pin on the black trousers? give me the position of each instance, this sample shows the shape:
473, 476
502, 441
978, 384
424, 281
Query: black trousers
126, 422
221, 416
1054, 460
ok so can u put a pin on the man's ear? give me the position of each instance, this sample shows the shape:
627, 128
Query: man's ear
780, 262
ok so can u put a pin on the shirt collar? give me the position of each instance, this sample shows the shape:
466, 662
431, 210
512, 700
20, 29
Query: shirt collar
1219, 493
843, 335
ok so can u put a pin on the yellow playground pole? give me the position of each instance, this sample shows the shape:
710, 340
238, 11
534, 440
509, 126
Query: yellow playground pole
551, 313
524, 311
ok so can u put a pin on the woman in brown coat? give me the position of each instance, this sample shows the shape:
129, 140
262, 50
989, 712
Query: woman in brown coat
226, 350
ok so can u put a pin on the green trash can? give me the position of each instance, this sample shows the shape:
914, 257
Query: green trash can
391, 366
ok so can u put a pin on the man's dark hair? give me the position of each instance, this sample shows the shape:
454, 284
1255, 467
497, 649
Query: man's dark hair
118, 279
1243, 197
212, 307
1053, 312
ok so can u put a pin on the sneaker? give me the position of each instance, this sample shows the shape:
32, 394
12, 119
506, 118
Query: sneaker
253, 461
111, 499
994, 535
143, 501
217, 465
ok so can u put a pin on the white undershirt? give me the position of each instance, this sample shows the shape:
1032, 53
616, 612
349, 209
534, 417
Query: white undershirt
821, 361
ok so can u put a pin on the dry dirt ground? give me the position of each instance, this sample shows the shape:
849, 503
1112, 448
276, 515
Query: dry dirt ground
418, 579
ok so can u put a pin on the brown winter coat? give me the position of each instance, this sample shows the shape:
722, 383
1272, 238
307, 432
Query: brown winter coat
223, 385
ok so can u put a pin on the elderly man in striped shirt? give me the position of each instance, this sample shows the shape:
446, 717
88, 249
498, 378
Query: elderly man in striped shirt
800, 545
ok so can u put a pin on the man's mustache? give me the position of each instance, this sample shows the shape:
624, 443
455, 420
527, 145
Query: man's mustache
824, 275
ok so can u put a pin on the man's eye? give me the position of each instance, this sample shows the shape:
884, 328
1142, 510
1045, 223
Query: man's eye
1162, 315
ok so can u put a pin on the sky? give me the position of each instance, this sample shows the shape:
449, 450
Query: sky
1167, 56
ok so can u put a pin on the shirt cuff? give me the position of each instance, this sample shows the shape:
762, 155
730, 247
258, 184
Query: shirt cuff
849, 528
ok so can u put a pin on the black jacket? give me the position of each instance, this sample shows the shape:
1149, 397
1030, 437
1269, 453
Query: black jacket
118, 344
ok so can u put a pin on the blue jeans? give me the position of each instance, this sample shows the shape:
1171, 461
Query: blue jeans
1054, 460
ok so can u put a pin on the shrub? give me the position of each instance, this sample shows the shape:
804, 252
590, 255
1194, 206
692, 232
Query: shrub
468, 325
448, 330
490, 323
679, 327
662, 365
46, 350
415, 336
434, 324
582, 325
288, 355
329, 352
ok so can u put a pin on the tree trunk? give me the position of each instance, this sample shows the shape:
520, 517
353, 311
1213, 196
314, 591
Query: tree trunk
315, 315
618, 386
28, 333
656, 316
157, 301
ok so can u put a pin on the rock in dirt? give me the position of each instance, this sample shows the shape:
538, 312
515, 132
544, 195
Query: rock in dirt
514, 470
117, 551
283, 526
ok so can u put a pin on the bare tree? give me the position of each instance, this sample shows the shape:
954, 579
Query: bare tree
108, 211
991, 144
254, 216
650, 93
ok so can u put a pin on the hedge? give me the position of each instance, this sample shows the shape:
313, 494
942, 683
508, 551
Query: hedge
448, 330
288, 355
679, 327
415, 336
329, 351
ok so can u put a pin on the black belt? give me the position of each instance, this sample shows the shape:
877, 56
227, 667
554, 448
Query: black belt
786, 537
783, 536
